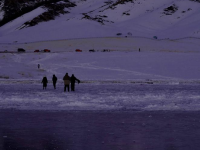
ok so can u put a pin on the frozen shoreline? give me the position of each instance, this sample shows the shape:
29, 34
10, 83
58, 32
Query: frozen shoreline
135, 81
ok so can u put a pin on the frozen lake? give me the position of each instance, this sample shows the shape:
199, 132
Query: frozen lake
127, 100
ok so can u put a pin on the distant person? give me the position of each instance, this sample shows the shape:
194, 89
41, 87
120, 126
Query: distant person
139, 49
66, 79
54, 79
38, 66
44, 81
73, 80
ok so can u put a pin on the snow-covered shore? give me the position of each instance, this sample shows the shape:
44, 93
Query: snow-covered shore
152, 62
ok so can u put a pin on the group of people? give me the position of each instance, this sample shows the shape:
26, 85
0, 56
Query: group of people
67, 81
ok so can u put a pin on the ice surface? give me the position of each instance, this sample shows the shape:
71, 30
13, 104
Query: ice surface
101, 96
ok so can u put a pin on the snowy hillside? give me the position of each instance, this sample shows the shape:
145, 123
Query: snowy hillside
103, 18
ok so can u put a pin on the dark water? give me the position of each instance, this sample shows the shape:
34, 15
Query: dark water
99, 130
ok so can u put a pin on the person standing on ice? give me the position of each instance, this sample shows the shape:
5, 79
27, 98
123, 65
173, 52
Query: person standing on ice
73, 80
66, 79
44, 81
54, 79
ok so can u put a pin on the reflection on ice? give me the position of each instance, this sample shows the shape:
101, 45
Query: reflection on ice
99, 130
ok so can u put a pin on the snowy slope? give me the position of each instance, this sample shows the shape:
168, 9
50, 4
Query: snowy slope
95, 18
14, 25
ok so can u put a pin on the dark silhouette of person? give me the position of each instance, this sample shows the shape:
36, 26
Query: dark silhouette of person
73, 80
44, 81
38, 66
54, 79
66, 79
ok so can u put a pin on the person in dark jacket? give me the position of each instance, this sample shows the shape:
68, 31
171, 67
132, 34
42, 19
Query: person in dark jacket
73, 80
54, 79
67, 81
44, 81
